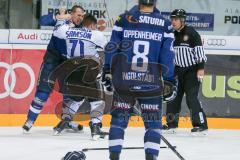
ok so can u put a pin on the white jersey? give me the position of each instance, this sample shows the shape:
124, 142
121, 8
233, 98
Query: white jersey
79, 41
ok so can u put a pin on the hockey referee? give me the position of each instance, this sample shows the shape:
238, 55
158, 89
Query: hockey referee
189, 67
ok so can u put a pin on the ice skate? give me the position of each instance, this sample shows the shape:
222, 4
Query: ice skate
199, 131
60, 127
75, 127
96, 131
114, 156
27, 126
151, 157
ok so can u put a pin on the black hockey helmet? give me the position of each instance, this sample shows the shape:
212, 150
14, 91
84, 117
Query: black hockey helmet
147, 2
75, 155
179, 13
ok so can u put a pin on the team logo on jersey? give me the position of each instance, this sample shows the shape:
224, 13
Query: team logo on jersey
118, 18
185, 38
130, 19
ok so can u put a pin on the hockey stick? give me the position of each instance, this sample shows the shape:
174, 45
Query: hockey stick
164, 139
126, 148
173, 148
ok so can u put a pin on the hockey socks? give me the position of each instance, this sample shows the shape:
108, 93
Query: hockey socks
37, 105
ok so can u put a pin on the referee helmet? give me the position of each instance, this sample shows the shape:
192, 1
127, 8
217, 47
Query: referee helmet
179, 13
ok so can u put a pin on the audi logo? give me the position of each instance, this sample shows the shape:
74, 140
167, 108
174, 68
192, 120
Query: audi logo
9, 86
216, 42
45, 36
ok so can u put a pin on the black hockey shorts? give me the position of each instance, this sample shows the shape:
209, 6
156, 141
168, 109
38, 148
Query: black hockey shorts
76, 78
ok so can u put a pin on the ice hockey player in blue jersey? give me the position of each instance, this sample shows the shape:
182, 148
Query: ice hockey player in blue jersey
50, 61
141, 41
51, 19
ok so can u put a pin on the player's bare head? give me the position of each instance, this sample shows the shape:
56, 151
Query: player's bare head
89, 21
77, 14
178, 18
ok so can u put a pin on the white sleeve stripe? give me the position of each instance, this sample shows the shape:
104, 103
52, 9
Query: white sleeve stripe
116, 28
168, 35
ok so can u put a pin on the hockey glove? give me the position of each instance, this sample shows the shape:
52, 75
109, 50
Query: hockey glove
107, 81
173, 91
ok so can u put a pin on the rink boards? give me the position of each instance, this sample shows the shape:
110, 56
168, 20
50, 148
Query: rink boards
52, 120
20, 64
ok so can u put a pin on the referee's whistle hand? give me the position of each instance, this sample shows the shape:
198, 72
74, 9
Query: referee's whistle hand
200, 74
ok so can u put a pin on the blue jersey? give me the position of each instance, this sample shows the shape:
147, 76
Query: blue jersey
144, 41
48, 20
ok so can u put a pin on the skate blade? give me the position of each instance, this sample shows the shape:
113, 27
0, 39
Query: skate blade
170, 131
25, 131
96, 137
57, 133
103, 136
73, 131
199, 134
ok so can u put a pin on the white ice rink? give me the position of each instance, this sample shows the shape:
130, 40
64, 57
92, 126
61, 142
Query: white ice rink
41, 145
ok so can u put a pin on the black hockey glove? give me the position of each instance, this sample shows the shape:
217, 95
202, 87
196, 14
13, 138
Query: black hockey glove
107, 81
172, 93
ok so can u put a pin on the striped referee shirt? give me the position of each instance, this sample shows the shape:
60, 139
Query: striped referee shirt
188, 48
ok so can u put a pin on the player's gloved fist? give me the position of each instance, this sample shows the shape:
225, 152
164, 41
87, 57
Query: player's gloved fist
172, 92
75, 155
107, 82
63, 15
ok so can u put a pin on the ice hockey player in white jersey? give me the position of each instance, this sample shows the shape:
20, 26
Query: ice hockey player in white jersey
75, 42
83, 42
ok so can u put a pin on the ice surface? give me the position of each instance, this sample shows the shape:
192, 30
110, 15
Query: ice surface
40, 144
